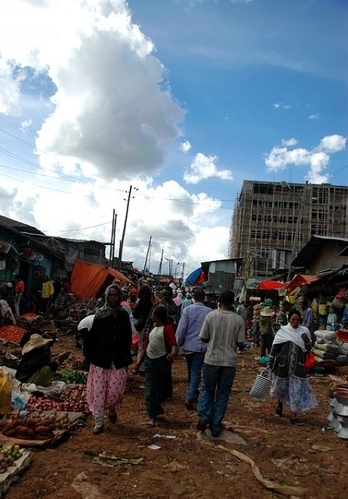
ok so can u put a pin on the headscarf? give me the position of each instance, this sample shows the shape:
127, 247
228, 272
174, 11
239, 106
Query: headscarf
107, 309
178, 300
289, 333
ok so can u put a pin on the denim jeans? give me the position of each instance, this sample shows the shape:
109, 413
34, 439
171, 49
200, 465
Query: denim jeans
216, 389
194, 363
256, 332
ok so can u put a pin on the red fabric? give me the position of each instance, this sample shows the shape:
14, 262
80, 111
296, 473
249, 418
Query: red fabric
300, 280
269, 285
88, 279
19, 288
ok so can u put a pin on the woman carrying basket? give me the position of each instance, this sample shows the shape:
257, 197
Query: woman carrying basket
287, 362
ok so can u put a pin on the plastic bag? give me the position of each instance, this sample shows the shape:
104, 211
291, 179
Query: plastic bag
309, 360
5, 393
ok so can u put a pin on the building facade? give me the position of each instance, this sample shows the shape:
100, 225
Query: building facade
272, 221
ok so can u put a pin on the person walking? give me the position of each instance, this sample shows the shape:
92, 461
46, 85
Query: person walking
19, 290
47, 292
266, 330
160, 353
242, 311
187, 337
107, 350
187, 301
224, 332
290, 384
256, 324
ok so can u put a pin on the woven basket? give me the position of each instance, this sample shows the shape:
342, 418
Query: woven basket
262, 384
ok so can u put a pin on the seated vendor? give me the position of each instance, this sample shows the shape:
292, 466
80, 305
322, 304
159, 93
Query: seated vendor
34, 329
35, 365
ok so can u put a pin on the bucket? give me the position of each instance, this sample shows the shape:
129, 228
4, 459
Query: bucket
262, 384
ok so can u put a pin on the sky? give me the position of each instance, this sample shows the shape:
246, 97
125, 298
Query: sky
166, 106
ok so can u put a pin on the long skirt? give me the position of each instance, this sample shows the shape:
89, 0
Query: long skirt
296, 392
42, 377
105, 388
156, 378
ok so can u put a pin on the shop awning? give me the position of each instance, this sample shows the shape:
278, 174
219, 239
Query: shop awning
269, 285
300, 280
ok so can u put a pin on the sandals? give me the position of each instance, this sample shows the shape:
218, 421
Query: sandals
296, 422
150, 424
98, 428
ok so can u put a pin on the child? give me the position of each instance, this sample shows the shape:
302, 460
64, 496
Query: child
160, 353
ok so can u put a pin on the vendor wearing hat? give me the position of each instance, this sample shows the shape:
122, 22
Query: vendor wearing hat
266, 330
36, 366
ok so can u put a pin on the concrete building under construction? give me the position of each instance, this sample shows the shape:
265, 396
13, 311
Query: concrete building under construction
272, 221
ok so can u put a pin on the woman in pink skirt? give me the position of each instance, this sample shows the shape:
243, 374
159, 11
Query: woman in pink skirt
107, 348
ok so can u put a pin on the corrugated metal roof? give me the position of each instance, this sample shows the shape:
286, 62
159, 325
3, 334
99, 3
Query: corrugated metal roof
313, 246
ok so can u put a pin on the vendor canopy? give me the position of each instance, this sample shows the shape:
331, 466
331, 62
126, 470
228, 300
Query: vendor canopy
300, 280
268, 285
89, 279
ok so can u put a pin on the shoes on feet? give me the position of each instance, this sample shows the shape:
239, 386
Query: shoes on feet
296, 422
201, 425
189, 405
215, 434
98, 428
278, 413
151, 424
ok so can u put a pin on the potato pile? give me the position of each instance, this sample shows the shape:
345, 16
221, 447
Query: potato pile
8, 455
37, 427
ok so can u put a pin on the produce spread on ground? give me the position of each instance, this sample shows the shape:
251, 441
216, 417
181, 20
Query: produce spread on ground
257, 456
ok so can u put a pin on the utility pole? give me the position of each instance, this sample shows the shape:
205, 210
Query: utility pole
113, 236
124, 229
147, 255
160, 265
182, 272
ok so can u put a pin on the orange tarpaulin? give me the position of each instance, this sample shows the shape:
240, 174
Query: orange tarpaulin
89, 279
300, 280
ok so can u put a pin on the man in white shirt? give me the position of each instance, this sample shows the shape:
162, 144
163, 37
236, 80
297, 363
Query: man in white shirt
224, 331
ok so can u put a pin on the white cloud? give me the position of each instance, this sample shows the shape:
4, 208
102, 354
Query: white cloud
332, 144
185, 146
97, 102
112, 108
289, 142
180, 223
279, 105
204, 167
26, 124
317, 159
9, 88
314, 117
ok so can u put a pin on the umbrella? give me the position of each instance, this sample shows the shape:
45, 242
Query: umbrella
195, 277
269, 285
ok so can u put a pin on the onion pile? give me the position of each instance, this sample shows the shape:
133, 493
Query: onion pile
72, 400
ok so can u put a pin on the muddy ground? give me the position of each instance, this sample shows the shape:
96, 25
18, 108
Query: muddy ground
312, 461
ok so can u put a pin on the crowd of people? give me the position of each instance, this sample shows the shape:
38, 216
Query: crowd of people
209, 334
210, 337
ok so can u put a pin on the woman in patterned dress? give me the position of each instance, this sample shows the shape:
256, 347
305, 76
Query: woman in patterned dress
287, 361
107, 348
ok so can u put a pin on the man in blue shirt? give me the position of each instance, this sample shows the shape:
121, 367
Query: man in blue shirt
187, 337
